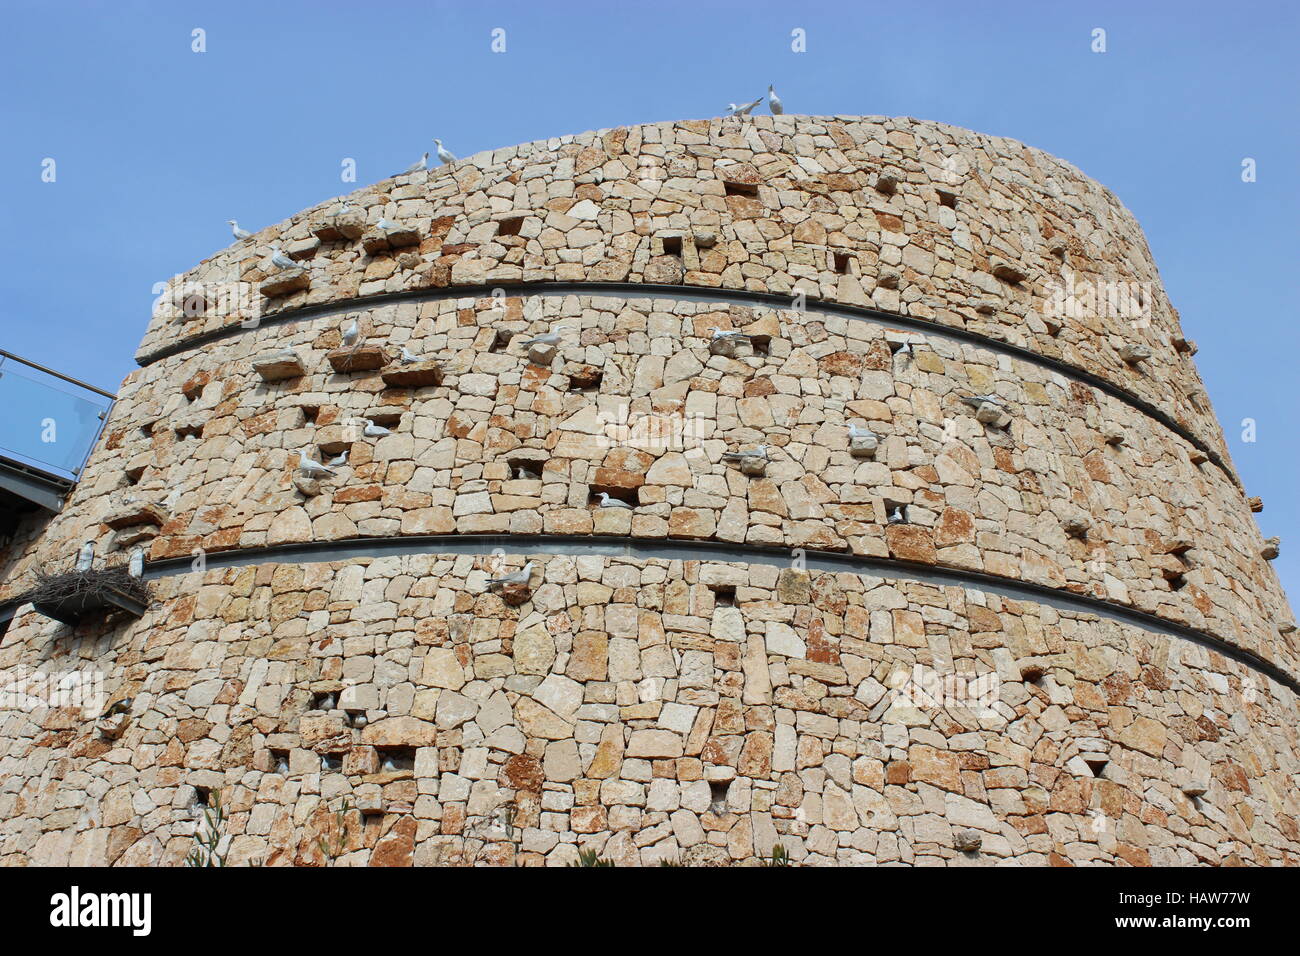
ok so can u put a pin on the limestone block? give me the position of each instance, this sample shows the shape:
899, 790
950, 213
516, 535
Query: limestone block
541, 355
413, 374
362, 358
285, 283
863, 446
279, 366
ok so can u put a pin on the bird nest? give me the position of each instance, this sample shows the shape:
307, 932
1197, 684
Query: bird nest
70, 596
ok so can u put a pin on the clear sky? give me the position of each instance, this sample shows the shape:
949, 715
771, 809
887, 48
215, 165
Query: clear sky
157, 146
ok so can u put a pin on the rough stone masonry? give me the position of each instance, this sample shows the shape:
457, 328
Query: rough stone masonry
1104, 673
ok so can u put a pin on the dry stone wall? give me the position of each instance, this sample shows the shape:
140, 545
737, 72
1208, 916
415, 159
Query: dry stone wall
624, 709
646, 707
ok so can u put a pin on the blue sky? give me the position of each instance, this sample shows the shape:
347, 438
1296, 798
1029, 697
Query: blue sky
157, 146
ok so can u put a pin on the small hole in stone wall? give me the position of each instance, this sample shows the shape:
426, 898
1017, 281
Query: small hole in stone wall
525, 469
147, 430
331, 763
4, 624
510, 226
188, 431
280, 762
672, 245
1032, 674
133, 475
388, 420
761, 344
741, 189
724, 595
501, 342
1176, 582
202, 797
396, 759
310, 413
586, 379
947, 198
626, 495
840, 262
327, 700
1096, 765
718, 796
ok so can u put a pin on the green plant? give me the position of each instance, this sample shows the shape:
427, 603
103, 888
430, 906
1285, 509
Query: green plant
591, 858
779, 857
207, 836
333, 844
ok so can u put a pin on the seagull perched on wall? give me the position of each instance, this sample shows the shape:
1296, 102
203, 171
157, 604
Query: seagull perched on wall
310, 468
444, 155
386, 225
744, 109
514, 577
759, 452
374, 431
238, 232
906, 350
135, 566
607, 502
339, 460
407, 356
351, 332
726, 333
527, 474
280, 260
897, 516
975, 401
86, 556
774, 102
859, 431
547, 338
417, 166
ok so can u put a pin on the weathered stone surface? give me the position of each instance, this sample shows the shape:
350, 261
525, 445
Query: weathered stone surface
279, 366
361, 358
286, 283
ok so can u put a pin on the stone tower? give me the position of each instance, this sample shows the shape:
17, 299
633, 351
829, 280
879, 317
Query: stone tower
1021, 612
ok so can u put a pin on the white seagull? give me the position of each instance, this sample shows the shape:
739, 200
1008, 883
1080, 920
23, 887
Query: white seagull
774, 102
238, 232
726, 333
310, 468
374, 431
351, 332
607, 502
407, 356
896, 516
444, 155
906, 349
744, 109
857, 431
421, 163
514, 577
547, 338
86, 556
135, 567
279, 259
338, 460
975, 401
386, 225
